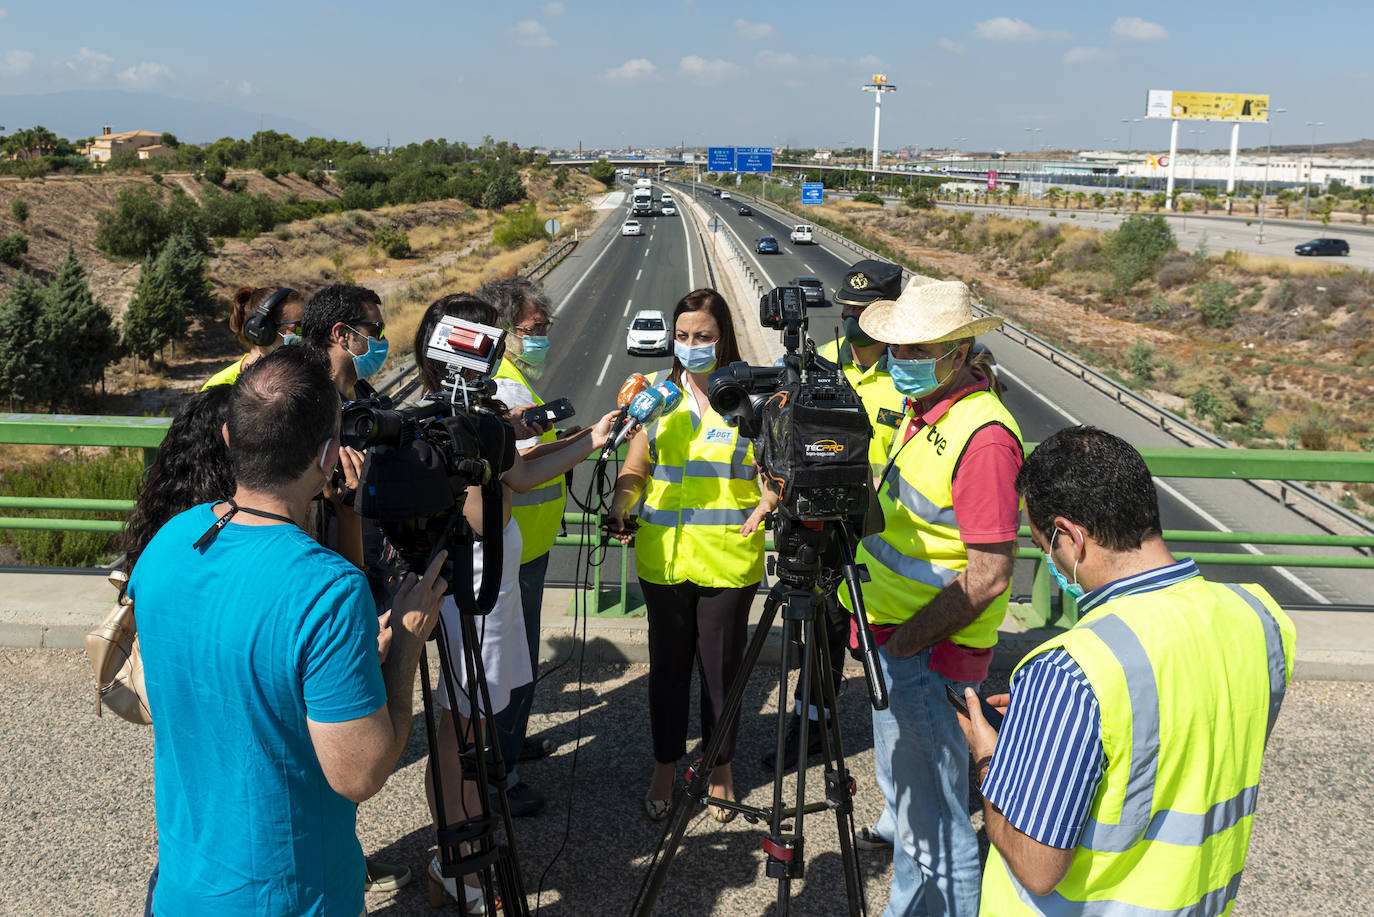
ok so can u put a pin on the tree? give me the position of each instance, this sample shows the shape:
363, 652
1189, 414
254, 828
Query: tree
135, 227
1209, 197
215, 173
1053, 194
1137, 248
172, 287
1098, 199
26, 358
12, 247
1285, 199
602, 171
19, 209
169, 140
1158, 200
79, 327
1078, 198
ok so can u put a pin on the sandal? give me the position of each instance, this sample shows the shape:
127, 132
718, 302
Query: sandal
868, 838
724, 816
443, 890
657, 809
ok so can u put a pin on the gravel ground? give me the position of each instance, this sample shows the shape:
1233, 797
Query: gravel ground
77, 835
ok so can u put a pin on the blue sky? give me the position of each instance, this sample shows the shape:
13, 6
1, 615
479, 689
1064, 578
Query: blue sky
553, 72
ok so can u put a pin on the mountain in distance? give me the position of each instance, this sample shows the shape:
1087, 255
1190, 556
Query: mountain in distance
82, 113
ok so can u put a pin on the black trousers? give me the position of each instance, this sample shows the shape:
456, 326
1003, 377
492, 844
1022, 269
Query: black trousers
687, 622
833, 627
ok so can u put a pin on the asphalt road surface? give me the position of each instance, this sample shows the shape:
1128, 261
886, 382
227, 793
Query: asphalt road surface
77, 835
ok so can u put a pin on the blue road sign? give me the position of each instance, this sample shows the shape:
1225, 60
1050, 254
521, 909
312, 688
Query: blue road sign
754, 159
813, 192
720, 159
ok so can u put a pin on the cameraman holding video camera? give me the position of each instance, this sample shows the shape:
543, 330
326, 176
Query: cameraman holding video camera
940, 578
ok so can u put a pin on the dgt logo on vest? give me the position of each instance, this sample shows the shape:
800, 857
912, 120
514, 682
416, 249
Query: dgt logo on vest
824, 449
933, 436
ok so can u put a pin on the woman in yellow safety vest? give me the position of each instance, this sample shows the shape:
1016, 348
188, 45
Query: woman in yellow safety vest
698, 547
261, 319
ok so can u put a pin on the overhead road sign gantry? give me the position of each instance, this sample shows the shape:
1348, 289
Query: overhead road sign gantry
720, 159
754, 159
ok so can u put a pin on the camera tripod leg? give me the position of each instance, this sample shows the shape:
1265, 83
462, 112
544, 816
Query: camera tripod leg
496, 864
687, 800
839, 785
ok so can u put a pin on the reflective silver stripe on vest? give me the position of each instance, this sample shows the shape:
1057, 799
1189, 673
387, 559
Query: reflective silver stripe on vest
1056, 905
539, 496
669, 518
905, 493
730, 471
1273, 645
669, 474
912, 568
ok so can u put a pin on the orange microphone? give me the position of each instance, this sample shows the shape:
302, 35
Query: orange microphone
632, 386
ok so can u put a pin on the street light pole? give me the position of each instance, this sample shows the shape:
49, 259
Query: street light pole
879, 86
1032, 131
1192, 173
1268, 151
1311, 164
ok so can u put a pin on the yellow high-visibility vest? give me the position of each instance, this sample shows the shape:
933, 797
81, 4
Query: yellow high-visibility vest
702, 488
538, 513
1188, 681
880, 398
919, 553
227, 376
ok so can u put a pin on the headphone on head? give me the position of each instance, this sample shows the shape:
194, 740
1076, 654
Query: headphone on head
260, 329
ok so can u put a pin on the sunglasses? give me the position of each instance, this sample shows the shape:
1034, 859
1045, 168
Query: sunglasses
378, 328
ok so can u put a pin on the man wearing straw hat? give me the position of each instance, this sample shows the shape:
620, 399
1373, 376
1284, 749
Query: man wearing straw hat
941, 575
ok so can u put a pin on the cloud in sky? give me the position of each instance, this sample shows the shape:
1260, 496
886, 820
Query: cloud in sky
1086, 56
553, 8
706, 72
15, 62
88, 63
776, 60
532, 34
244, 89
950, 45
754, 31
3, 12
1004, 28
144, 74
632, 71
1133, 28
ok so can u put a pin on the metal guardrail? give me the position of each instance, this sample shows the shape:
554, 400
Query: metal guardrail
1125, 396
552, 259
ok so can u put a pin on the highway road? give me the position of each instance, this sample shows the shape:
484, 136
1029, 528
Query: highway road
610, 277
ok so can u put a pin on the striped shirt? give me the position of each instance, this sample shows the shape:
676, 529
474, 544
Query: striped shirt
1049, 759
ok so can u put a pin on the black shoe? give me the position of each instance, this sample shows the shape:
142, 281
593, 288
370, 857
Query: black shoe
789, 748
534, 749
525, 800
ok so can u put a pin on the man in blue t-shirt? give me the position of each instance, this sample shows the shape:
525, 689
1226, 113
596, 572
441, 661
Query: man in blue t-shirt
274, 716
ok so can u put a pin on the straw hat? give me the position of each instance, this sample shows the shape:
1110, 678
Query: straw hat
927, 313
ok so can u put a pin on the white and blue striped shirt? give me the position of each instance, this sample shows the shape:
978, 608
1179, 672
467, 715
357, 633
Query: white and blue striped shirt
1049, 759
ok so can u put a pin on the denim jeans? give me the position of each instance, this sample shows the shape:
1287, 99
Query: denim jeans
921, 759
514, 720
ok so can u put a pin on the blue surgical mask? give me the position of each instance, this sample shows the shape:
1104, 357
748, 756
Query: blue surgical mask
696, 359
534, 348
290, 339
367, 364
916, 378
1065, 586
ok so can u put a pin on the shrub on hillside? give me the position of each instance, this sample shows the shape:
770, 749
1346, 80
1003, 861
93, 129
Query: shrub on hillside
1178, 269
1216, 303
518, 227
1137, 248
12, 247
867, 197
136, 226
19, 209
215, 173
602, 171
395, 242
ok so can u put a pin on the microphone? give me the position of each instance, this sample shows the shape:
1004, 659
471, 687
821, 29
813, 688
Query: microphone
643, 410
636, 383
672, 396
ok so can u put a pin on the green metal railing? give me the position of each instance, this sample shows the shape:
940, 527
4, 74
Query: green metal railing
1179, 462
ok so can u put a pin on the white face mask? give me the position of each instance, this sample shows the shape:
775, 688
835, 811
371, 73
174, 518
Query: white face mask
324, 457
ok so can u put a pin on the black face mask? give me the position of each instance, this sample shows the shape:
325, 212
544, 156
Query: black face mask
854, 334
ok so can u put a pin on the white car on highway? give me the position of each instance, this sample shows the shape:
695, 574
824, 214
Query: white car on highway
725, 195
647, 333
667, 209
631, 228
801, 234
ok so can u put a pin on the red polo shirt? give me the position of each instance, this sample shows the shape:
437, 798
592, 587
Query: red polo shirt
986, 505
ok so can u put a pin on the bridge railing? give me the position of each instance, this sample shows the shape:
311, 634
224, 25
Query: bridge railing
1341, 551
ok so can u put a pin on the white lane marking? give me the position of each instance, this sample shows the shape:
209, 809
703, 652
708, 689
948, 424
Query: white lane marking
646, 253
639, 273
591, 267
604, 366
1173, 492
627, 307
808, 267
753, 256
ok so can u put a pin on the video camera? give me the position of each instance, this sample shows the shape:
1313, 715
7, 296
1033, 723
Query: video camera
810, 430
421, 459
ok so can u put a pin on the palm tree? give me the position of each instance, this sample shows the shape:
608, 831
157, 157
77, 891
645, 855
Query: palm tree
1209, 197
1117, 199
1098, 199
1285, 200
1258, 198
1158, 200
1364, 199
1053, 194
1078, 198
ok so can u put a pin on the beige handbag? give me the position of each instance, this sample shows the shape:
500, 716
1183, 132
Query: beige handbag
113, 650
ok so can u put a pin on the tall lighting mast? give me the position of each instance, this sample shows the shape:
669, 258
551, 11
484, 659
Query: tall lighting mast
879, 86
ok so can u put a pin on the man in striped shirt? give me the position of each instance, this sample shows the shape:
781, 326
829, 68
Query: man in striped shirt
1124, 776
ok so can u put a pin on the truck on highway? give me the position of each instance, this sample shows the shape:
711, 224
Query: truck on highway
643, 201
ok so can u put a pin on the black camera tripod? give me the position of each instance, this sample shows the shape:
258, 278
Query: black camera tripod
495, 860
804, 570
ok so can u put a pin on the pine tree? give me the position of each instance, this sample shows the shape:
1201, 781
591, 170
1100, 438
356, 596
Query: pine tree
171, 288
79, 327
26, 358
144, 334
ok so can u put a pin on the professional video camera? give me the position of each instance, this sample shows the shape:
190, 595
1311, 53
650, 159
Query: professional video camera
421, 459
810, 430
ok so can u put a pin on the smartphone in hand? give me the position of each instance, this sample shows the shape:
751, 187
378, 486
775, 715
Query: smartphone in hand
990, 713
544, 415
